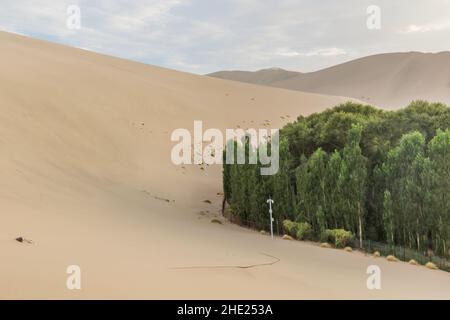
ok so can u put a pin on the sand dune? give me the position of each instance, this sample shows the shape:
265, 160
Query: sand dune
261, 77
389, 80
86, 171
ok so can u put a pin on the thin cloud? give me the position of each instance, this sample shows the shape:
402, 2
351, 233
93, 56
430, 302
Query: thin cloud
204, 36
325, 52
432, 27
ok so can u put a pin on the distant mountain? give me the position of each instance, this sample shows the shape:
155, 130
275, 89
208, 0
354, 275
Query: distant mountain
390, 80
262, 77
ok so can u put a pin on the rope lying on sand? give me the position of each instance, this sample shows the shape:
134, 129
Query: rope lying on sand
234, 267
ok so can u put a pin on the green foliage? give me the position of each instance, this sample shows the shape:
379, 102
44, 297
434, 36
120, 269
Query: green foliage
353, 181
282, 187
388, 217
381, 175
298, 230
289, 227
339, 237
304, 231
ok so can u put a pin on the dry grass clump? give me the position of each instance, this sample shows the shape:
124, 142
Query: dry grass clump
376, 254
431, 265
413, 262
215, 220
348, 249
263, 232
325, 245
391, 258
287, 237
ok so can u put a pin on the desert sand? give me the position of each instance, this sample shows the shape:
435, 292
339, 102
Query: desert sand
85, 171
390, 80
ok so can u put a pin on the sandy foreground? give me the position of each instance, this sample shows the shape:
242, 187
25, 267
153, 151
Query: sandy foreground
85, 169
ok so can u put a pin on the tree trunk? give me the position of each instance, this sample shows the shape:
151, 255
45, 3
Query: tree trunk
360, 226
223, 205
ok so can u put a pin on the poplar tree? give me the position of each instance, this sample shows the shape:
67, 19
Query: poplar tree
282, 187
333, 191
353, 180
388, 218
400, 179
439, 152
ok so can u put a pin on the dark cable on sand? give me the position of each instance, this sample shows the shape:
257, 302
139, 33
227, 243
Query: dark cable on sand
234, 267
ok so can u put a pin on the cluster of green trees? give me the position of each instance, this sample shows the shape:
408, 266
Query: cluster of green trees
383, 175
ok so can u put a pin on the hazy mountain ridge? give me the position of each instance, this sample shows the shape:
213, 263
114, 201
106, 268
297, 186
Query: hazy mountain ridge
390, 80
263, 77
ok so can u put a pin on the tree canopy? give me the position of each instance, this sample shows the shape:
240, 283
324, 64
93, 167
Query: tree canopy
383, 175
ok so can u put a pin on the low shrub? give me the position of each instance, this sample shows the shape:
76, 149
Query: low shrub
289, 227
287, 237
391, 258
215, 220
431, 265
304, 231
297, 230
339, 237
376, 254
348, 249
413, 262
325, 245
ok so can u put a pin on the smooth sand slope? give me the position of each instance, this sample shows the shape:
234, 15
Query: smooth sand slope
389, 80
85, 167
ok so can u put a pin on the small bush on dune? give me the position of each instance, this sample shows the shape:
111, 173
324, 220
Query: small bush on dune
215, 220
348, 249
342, 238
287, 237
263, 232
376, 254
431, 265
339, 237
304, 231
297, 230
391, 258
413, 262
289, 227
325, 236
325, 245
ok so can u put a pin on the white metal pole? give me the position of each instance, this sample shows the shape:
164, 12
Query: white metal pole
270, 201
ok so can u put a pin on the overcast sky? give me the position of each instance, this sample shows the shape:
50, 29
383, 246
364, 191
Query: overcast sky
202, 36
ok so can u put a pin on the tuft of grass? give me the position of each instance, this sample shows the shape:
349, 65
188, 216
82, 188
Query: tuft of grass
287, 237
413, 262
325, 245
348, 249
431, 265
263, 232
391, 258
376, 254
215, 220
